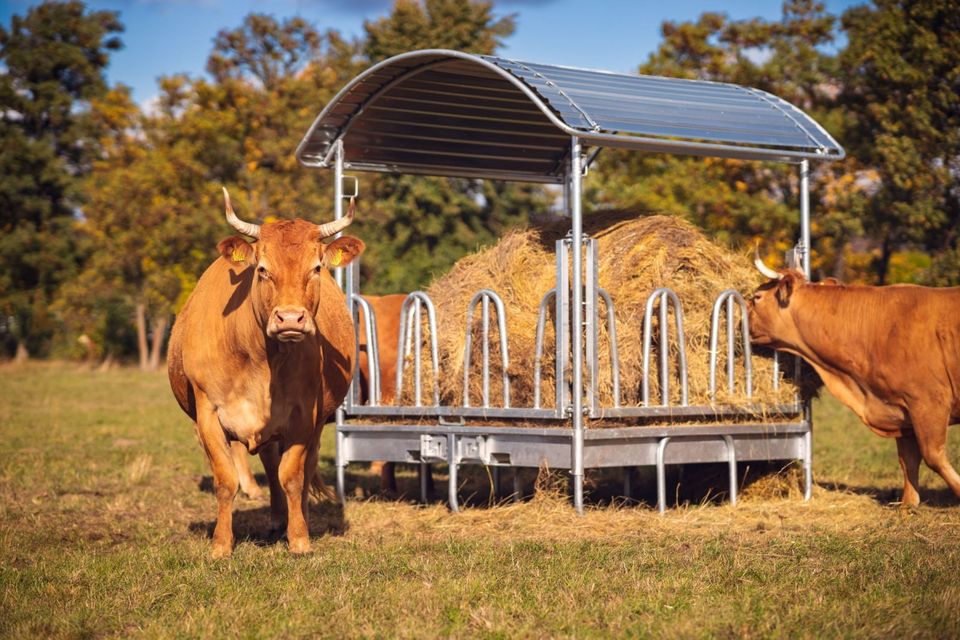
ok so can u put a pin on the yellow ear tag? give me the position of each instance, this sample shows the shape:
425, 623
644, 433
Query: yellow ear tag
337, 258
238, 255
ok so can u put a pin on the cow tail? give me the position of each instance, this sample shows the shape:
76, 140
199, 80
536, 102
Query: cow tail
319, 490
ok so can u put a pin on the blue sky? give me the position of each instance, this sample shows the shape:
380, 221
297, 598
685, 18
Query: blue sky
163, 37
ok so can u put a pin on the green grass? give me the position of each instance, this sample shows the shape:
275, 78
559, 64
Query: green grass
104, 521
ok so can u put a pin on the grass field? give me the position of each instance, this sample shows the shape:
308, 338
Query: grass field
105, 513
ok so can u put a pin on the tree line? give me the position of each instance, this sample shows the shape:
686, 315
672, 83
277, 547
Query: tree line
110, 211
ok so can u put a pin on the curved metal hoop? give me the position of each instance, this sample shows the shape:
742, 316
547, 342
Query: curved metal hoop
484, 297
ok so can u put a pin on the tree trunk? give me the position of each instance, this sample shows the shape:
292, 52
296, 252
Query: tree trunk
22, 353
839, 262
159, 331
142, 336
883, 265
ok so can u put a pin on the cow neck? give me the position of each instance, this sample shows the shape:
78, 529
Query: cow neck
831, 328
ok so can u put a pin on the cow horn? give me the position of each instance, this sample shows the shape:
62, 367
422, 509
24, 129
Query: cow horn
764, 269
328, 229
246, 228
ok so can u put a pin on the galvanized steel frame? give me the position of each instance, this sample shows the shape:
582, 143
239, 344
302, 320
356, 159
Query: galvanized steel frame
575, 297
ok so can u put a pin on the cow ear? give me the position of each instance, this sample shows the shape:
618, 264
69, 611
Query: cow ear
342, 251
785, 289
236, 250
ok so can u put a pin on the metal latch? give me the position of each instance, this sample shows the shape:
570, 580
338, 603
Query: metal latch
473, 449
433, 448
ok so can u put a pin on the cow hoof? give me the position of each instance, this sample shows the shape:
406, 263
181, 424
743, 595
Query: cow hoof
221, 551
253, 493
300, 546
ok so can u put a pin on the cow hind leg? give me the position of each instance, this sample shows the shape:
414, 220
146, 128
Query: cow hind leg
909, 453
225, 480
930, 428
248, 484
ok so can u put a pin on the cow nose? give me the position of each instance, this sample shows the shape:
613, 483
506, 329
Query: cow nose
291, 319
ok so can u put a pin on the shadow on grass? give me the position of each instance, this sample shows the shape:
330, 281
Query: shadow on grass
256, 525
479, 487
940, 497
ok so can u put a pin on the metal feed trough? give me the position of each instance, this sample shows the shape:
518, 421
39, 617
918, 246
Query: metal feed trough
448, 113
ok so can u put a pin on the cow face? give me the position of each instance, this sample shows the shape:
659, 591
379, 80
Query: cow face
289, 260
771, 323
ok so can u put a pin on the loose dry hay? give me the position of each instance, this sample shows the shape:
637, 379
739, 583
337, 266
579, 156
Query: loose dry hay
636, 255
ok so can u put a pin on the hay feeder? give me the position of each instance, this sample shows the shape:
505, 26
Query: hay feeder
447, 113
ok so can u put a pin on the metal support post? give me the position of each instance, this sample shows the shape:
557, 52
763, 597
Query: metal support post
576, 224
805, 215
341, 465
452, 481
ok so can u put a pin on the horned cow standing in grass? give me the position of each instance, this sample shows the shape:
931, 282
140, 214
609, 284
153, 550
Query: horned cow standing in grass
891, 354
261, 354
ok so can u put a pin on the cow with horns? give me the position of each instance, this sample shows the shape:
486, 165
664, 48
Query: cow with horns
891, 354
261, 354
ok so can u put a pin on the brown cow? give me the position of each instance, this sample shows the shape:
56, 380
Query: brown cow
261, 354
386, 309
891, 354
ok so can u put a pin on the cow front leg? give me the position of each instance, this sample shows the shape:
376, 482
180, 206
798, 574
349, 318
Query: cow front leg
248, 484
225, 481
930, 428
909, 453
294, 482
270, 457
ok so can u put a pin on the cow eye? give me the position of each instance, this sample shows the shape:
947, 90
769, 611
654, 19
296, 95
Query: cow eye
262, 271
317, 269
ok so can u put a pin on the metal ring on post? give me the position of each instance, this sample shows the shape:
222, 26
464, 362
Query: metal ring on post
373, 348
486, 295
730, 297
664, 295
420, 298
538, 348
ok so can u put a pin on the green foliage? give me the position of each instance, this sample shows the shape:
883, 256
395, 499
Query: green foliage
463, 25
53, 60
902, 88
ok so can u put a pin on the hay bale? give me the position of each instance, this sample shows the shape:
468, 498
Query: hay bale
636, 254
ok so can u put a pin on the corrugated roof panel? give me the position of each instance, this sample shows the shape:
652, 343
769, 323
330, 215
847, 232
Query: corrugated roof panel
450, 113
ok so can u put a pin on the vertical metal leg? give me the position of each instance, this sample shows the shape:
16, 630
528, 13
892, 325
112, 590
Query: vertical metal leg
452, 482
576, 224
424, 474
732, 462
495, 474
807, 465
517, 489
661, 475
341, 466
628, 482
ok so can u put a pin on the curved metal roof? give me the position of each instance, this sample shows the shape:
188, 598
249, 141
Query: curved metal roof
443, 112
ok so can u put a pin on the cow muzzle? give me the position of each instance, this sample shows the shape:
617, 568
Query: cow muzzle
289, 324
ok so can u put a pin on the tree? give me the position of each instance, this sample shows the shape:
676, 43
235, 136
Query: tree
902, 89
463, 25
53, 60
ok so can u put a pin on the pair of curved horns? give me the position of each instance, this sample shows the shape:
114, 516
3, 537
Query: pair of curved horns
763, 268
326, 229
